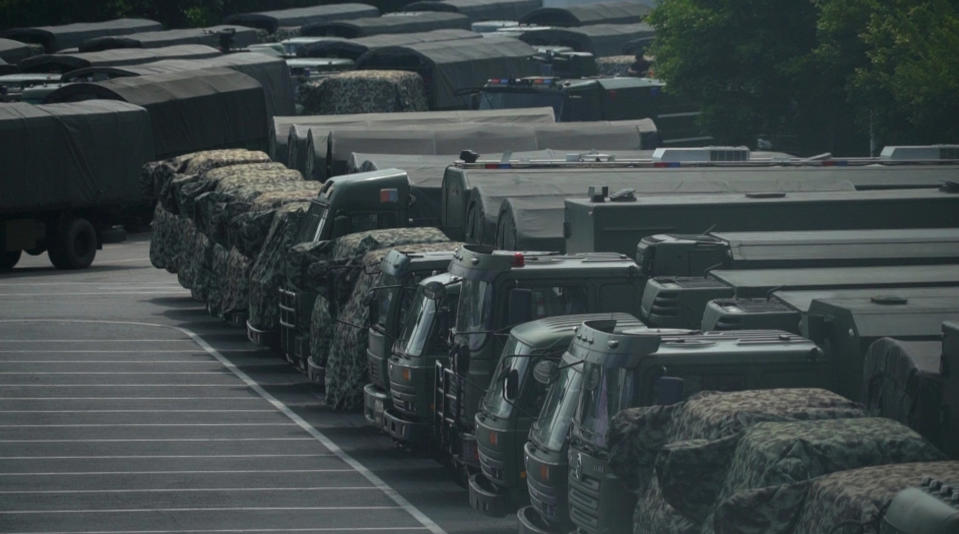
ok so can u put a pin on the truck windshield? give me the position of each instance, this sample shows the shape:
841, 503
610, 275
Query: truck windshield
606, 391
387, 295
552, 426
312, 225
473, 315
515, 358
417, 325
521, 99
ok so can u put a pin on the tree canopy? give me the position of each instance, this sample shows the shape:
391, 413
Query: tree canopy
815, 75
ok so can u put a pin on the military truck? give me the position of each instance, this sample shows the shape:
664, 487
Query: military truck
680, 301
618, 224
598, 98
511, 404
639, 368
501, 289
692, 255
346, 204
393, 301
423, 341
69, 175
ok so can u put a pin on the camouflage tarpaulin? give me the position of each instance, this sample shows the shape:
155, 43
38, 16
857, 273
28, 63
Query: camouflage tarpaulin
218, 280
902, 381
186, 188
162, 173
163, 229
370, 91
247, 232
193, 270
181, 244
695, 475
846, 502
346, 366
614, 65
637, 435
265, 274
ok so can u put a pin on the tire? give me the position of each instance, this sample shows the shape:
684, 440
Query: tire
74, 246
9, 259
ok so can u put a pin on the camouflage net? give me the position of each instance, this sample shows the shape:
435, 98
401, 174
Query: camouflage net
346, 364
844, 502
615, 65
266, 272
157, 175
364, 91
161, 240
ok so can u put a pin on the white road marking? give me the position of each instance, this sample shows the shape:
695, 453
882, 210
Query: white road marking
180, 472
211, 509
118, 386
137, 411
112, 373
99, 425
96, 293
186, 490
180, 339
2, 399
128, 351
153, 456
231, 531
374, 479
124, 440
124, 362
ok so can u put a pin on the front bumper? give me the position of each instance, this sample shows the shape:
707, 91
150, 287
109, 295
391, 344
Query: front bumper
412, 432
375, 403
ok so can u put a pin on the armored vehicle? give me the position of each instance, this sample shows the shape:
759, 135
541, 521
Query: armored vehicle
692, 255
392, 302
423, 341
594, 99
618, 224
845, 327
501, 289
680, 301
511, 404
639, 368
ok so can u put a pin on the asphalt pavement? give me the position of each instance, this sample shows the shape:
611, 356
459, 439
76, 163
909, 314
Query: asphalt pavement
126, 408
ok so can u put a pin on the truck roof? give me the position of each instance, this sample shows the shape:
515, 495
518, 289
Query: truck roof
751, 281
474, 258
550, 329
888, 315
802, 299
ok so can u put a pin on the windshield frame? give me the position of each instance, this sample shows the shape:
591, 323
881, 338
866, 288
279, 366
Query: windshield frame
518, 356
413, 338
614, 391
387, 291
551, 428
474, 312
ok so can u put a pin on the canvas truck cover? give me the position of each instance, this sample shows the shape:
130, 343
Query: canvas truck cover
354, 48
322, 124
242, 37
85, 154
635, 134
902, 380
301, 16
55, 38
451, 67
189, 110
845, 501
271, 72
402, 22
598, 39
554, 185
479, 10
581, 15
14, 51
619, 226
114, 57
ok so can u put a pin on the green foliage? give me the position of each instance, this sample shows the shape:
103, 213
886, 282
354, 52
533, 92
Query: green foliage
828, 74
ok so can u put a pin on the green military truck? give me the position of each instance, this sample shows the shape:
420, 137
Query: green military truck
511, 404
346, 204
501, 289
393, 300
640, 368
680, 301
618, 224
423, 341
692, 255
601, 98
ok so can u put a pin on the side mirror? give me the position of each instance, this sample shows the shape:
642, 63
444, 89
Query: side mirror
545, 372
520, 306
435, 291
668, 390
511, 389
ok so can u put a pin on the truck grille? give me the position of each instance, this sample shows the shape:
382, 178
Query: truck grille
584, 503
287, 320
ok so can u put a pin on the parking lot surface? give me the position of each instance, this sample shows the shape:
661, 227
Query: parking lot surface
125, 408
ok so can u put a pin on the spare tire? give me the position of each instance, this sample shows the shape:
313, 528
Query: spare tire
74, 246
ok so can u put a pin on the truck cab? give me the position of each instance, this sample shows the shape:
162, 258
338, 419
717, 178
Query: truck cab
645, 367
501, 289
346, 204
511, 404
422, 341
392, 301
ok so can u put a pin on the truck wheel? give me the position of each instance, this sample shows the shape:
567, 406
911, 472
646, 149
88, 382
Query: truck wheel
74, 246
9, 259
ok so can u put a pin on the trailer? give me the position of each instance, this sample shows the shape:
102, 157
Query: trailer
63, 62
54, 38
586, 14
402, 22
215, 36
271, 21
597, 39
480, 10
354, 48
70, 173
